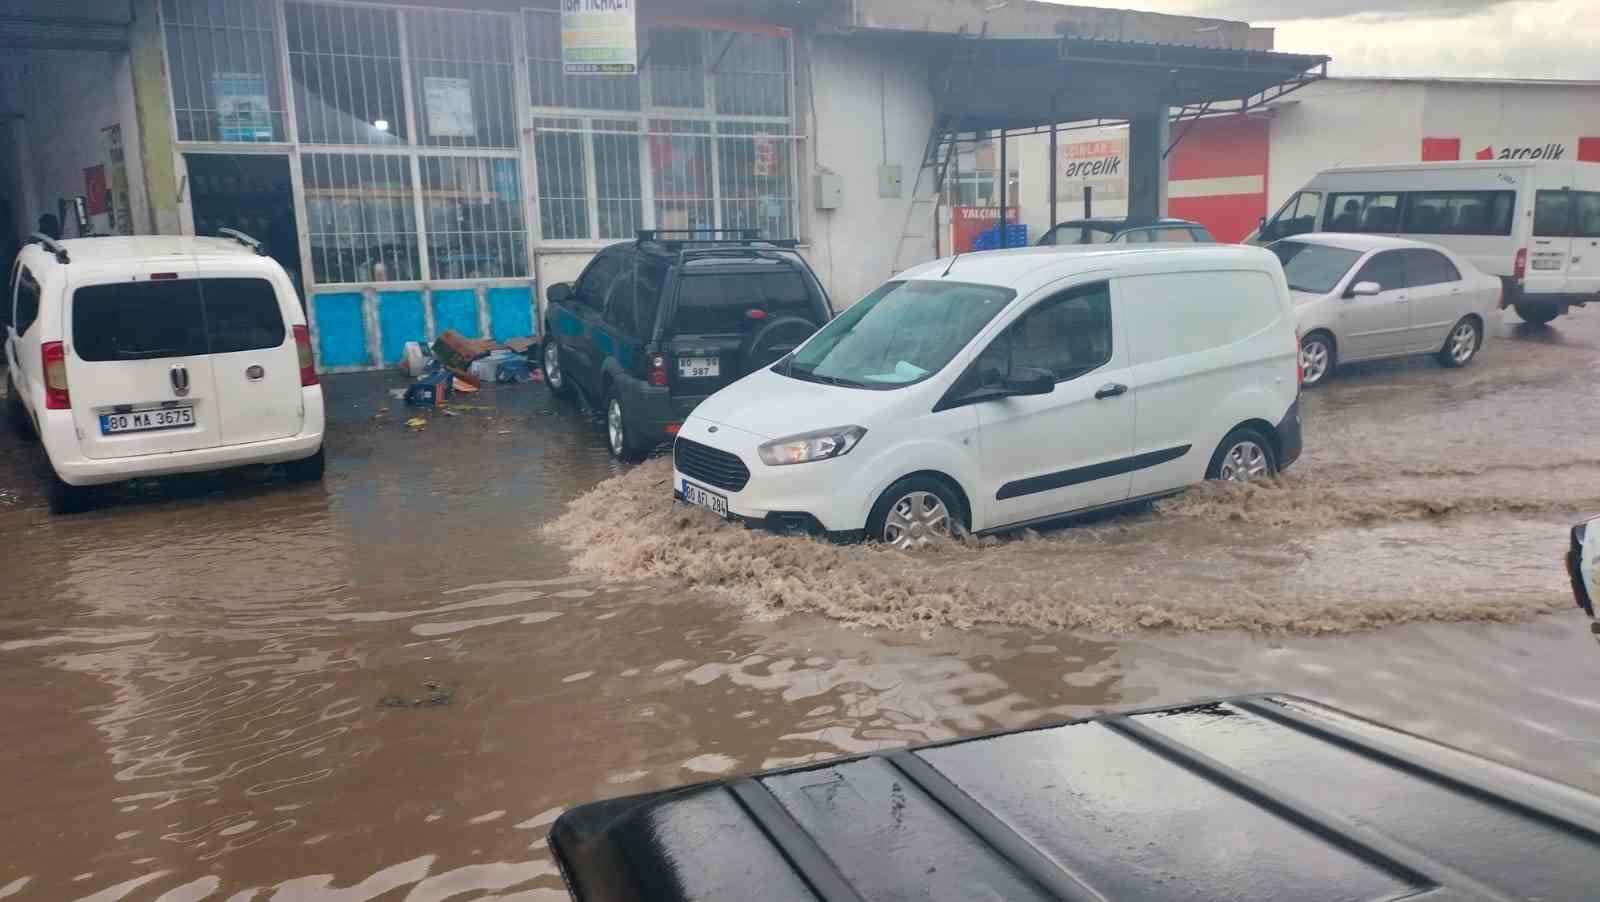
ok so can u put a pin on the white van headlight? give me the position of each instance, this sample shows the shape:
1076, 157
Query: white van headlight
809, 446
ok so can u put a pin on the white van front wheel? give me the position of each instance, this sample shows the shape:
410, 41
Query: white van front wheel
916, 512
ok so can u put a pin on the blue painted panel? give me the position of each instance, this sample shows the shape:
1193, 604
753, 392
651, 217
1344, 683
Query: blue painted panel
510, 313
341, 329
456, 309
400, 319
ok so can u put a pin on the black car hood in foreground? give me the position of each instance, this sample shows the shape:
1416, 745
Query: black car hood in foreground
1258, 798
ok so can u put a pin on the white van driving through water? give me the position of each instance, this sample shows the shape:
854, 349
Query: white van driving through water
998, 390
1535, 224
150, 356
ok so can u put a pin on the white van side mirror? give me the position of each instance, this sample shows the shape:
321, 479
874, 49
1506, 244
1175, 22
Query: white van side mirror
1364, 290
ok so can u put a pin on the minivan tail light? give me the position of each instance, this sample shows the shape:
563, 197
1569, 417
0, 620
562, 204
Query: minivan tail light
308, 363
56, 396
658, 370
1519, 269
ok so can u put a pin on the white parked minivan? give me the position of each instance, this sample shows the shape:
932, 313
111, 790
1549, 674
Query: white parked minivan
157, 355
998, 390
1533, 223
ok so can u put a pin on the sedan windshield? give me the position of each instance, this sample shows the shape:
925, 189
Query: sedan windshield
1313, 267
901, 333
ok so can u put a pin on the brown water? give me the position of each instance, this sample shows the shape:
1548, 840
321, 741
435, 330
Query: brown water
390, 685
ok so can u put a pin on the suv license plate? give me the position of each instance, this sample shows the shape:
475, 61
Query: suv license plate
699, 367
711, 501
142, 420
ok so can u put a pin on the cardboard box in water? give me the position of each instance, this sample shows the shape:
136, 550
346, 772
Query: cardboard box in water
457, 352
432, 390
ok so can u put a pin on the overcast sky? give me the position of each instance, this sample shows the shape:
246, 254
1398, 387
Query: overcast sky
1519, 38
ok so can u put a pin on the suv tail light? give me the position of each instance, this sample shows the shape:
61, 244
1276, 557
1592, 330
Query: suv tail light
1519, 269
658, 370
56, 395
308, 363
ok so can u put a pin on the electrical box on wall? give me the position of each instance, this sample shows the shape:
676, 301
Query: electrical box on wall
829, 191
889, 180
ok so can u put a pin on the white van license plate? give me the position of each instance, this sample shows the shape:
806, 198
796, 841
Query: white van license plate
699, 367
142, 420
711, 501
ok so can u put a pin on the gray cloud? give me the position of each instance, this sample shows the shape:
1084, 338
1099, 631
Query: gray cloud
1284, 11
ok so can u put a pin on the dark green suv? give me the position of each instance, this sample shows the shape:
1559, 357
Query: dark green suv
654, 326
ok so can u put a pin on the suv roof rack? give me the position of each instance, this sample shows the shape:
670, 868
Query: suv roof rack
704, 239
246, 240
51, 245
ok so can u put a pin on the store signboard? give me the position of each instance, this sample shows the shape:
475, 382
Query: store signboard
449, 105
599, 37
244, 112
1100, 163
94, 189
117, 180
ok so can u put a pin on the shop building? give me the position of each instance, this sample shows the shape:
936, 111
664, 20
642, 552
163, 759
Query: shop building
1228, 171
433, 165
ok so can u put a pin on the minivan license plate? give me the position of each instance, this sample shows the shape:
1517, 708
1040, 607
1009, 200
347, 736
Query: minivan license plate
711, 501
699, 367
142, 420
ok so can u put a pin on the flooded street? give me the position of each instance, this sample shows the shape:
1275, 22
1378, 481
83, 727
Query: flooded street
388, 686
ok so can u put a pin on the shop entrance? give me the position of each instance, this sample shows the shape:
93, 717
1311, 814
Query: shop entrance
251, 193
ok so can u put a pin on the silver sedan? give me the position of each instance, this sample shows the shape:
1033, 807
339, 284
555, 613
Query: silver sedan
1368, 297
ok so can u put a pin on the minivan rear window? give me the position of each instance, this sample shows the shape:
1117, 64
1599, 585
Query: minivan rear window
177, 318
722, 302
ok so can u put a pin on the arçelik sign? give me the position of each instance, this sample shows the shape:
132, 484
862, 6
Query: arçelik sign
1100, 164
1552, 151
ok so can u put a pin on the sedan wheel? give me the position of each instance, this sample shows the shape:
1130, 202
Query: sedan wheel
916, 520
1316, 360
1462, 345
1246, 461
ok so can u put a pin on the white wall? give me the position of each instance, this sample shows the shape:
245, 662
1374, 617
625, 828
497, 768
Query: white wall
1342, 123
70, 97
865, 94
1506, 115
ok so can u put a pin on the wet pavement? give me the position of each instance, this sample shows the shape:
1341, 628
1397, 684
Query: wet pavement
389, 685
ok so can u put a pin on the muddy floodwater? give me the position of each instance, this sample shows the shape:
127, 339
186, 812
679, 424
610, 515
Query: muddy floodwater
388, 686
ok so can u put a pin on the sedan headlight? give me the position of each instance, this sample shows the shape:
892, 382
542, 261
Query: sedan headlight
809, 446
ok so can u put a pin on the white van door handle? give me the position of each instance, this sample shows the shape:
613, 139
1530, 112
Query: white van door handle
1110, 390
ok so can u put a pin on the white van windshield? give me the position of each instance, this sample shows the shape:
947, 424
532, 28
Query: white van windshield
1315, 268
899, 334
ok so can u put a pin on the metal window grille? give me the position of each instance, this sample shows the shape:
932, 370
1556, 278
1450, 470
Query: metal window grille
619, 191
549, 87
681, 172
464, 78
223, 67
360, 217
752, 73
345, 61
563, 189
472, 210
756, 177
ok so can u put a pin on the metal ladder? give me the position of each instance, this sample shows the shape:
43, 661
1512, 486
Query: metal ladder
922, 213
